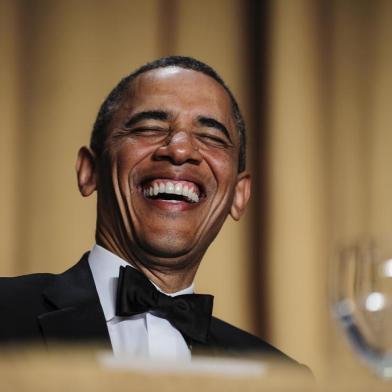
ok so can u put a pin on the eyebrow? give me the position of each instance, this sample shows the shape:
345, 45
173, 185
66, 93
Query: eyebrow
212, 123
147, 115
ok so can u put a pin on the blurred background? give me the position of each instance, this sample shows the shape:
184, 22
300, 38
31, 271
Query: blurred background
314, 81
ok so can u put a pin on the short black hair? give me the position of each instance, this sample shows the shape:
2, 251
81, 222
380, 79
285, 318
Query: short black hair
113, 100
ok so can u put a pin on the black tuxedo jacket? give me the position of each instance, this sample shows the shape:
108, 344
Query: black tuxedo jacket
63, 308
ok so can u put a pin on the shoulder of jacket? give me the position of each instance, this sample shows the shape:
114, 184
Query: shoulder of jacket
18, 287
245, 341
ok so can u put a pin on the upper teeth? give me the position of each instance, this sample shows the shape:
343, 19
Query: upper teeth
176, 188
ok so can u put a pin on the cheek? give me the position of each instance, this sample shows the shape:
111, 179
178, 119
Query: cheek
129, 154
224, 168
127, 160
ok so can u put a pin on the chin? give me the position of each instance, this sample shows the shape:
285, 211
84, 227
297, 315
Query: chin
168, 250
173, 249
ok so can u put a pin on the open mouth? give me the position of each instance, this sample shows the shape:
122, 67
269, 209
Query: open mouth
172, 190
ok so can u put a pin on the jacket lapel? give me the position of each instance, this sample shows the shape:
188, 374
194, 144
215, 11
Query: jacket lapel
77, 314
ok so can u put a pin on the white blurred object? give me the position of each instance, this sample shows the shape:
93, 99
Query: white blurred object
199, 365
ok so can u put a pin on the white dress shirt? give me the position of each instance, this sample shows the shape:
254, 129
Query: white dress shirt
144, 335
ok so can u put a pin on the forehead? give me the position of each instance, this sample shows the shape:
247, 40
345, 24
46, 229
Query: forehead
180, 91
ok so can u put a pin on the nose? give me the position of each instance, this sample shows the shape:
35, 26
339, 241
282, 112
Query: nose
179, 148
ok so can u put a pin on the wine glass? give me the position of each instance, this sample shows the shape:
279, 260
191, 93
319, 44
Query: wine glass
361, 287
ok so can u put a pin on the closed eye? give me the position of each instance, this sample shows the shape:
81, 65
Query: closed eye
215, 127
148, 131
214, 140
152, 132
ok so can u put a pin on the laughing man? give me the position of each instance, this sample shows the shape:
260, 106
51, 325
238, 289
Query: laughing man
167, 160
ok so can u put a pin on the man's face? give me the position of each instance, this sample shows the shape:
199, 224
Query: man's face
173, 154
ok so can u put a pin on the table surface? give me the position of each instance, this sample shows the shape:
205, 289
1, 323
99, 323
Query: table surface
76, 369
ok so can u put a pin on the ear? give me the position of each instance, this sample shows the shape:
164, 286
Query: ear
86, 170
241, 195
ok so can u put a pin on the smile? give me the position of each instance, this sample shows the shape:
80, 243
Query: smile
171, 190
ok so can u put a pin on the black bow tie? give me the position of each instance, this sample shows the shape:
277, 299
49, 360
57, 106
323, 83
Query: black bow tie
189, 313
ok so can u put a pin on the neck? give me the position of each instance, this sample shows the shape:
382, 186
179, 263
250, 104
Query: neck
167, 282
170, 275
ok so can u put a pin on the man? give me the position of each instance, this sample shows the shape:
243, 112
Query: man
167, 159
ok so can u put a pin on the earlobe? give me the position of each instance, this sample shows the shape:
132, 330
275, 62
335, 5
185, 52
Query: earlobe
86, 171
241, 195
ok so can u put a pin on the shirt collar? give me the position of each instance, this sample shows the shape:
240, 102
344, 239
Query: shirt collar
105, 267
